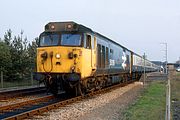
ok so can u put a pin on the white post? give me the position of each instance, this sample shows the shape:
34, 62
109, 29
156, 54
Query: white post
168, 89
144, 69
168, 101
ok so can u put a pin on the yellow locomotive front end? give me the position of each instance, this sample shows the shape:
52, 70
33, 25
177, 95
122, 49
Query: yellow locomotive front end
59, 59
65, 56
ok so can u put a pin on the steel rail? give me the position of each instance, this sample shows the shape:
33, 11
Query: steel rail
25, 103
20, 92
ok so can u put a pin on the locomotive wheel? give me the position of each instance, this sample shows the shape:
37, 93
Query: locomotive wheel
54, 88
76, 89
98, 84
54, 91
69, 90
51, 85
80, 90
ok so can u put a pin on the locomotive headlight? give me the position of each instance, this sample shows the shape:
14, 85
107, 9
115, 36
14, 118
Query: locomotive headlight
58, 56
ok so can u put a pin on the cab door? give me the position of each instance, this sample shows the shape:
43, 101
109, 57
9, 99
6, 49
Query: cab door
92, 41
93, 52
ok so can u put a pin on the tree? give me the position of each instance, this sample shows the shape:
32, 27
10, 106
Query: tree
32, 54
8, 37
18, 57
5, 59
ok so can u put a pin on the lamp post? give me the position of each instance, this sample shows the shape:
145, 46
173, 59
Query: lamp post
166, 56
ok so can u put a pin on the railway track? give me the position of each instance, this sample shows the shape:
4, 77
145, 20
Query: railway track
21, 92
18, 108
38, 106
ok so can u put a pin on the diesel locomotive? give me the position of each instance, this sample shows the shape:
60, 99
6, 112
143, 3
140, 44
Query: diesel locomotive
75, 59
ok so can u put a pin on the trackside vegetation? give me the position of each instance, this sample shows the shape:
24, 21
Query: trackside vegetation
150, 105
17, 58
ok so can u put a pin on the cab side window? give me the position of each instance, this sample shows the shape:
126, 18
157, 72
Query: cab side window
92, 42
88, 41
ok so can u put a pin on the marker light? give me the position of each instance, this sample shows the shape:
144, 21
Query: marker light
69, 26
52, 27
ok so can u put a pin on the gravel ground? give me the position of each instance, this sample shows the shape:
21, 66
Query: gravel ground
107, 106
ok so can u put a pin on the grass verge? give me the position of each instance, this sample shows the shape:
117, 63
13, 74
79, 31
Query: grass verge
150, 105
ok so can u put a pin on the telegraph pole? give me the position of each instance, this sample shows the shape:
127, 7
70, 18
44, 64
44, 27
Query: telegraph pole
166, 57
168, 89
144, 57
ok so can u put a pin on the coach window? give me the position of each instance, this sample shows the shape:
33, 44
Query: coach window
99, 55
107, 56
103, 57
88, 41
111, 53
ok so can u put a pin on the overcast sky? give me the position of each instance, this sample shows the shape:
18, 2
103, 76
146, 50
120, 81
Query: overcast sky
140, 25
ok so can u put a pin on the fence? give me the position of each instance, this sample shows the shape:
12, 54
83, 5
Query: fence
24, 81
